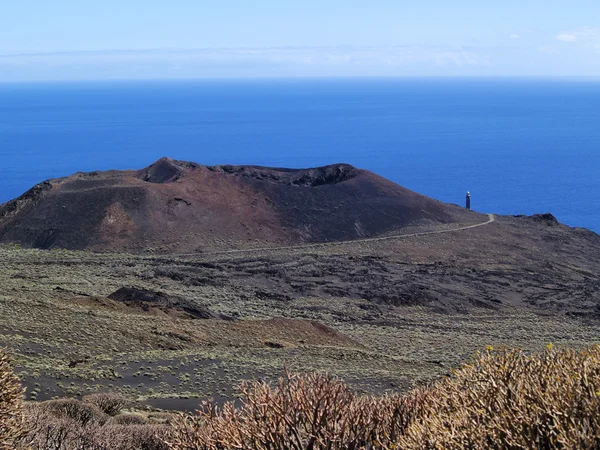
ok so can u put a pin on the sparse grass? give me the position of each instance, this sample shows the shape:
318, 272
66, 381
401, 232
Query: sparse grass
72, 342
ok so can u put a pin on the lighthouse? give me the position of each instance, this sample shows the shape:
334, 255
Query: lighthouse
468, 206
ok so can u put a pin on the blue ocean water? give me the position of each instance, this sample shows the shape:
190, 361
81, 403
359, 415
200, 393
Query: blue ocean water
519, 146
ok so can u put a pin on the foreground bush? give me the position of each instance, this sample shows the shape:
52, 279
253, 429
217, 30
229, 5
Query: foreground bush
128, 419
81, 413
312, 411
509, 399
504, 400
110, 404
58, 425
11, 404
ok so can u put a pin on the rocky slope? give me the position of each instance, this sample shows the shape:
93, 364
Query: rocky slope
177, 207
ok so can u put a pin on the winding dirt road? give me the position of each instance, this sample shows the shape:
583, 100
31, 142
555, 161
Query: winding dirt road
491, 219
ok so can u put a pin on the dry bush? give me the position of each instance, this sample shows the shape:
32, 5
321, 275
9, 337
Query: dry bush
127, 419
509, 399
161, 418
504, 400
311, 411
82, 413
110, 404
129, 437
49, 431
11, 404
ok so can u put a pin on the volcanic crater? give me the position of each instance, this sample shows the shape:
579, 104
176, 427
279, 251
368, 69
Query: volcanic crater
183, 207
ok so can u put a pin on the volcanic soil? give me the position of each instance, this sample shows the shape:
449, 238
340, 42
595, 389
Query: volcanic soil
182, 207
392, 308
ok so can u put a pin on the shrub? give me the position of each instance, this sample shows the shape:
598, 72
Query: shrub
313, 411
162, 418
127, 419
82, 413
503, 400
11, 404
509, 399
129, 437
110, 404
49, 431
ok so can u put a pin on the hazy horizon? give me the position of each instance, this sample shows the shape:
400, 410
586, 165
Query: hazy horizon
226, 79
71, 41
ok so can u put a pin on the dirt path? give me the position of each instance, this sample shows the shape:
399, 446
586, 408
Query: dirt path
491, 218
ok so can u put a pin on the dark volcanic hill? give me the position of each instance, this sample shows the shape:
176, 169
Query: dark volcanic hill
176, 206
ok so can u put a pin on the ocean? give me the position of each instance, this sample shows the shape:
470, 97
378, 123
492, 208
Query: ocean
520, 146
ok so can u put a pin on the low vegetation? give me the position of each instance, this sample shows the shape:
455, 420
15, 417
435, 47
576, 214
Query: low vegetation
71, 424
510, 399
405, 320
504, 399
11, 405
313, 411
109, 404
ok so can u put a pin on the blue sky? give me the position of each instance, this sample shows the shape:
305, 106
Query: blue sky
131, 39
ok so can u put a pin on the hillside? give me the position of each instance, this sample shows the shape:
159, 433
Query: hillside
175, 206
167, 330
239, 292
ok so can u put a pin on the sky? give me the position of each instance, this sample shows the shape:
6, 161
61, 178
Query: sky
48, 40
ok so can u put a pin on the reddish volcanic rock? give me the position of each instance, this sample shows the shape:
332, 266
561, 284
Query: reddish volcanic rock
175, 206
